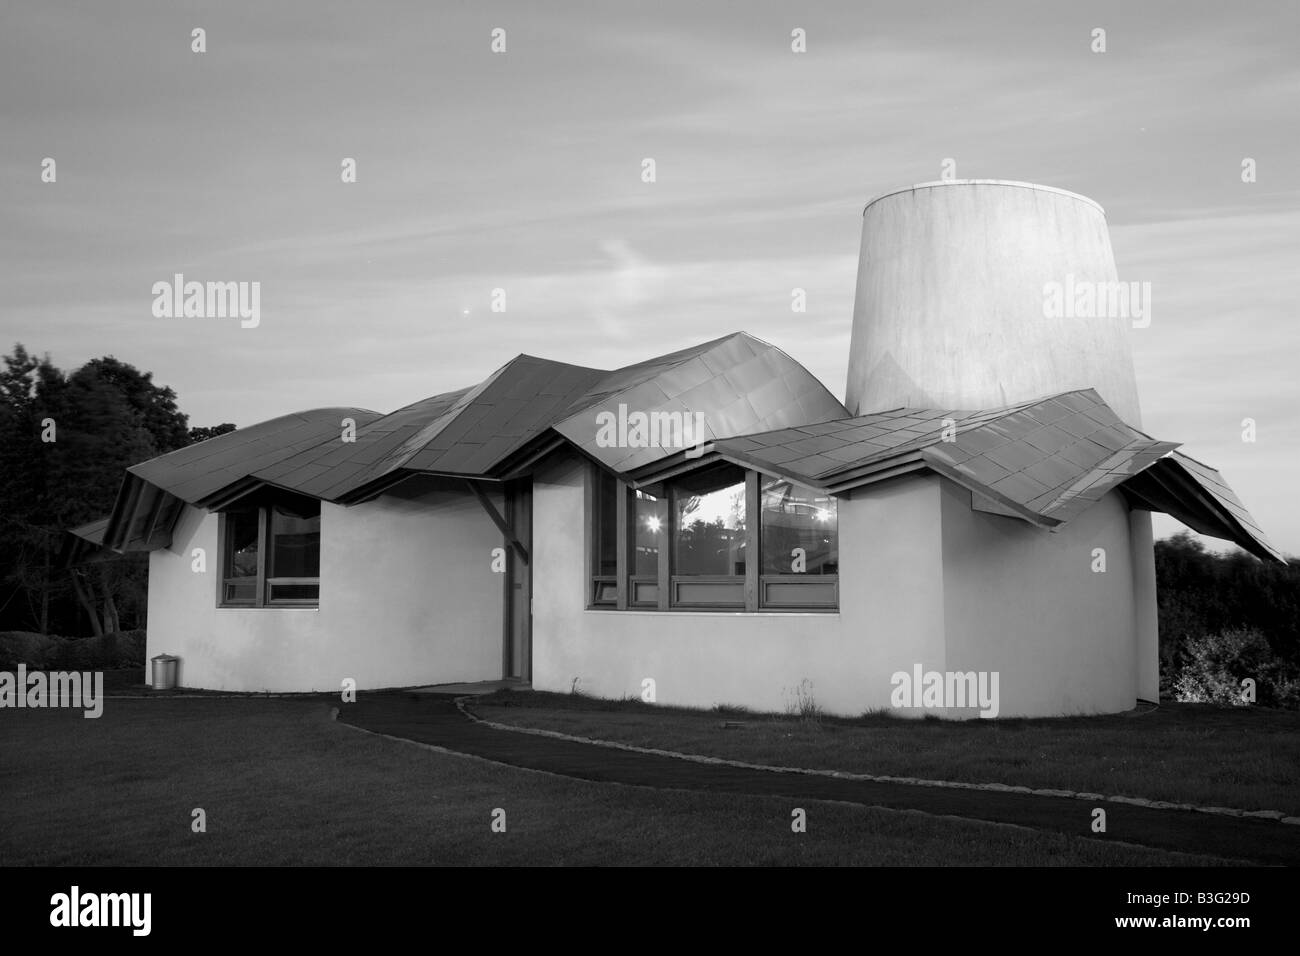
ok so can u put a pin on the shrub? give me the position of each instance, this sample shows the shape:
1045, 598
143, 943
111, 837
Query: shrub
1215, 665
24, 647
48, 652
731, 710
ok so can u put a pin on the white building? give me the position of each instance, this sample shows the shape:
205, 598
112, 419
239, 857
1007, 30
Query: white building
981, 506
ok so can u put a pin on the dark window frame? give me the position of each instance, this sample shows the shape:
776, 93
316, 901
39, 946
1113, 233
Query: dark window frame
756, 591
264, 583
682, 583
808, 590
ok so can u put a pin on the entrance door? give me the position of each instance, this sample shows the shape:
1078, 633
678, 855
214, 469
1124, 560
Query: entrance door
518, 651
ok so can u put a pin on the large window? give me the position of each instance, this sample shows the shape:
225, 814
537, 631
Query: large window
709, 541
799, 530
720, 538
270, 552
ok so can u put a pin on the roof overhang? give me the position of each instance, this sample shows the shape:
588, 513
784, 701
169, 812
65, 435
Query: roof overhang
1076, 450
1179, 486
84, 544
143, 517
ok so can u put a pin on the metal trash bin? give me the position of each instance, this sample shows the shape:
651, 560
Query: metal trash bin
164, 672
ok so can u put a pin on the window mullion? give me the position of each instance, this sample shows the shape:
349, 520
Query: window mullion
622, 566
263, 554
664, 510
753, 556
224, 547
591, 518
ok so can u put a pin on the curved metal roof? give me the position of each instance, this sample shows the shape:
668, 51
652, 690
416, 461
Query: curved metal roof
737, 382
195, 472
1044, 461
153, 492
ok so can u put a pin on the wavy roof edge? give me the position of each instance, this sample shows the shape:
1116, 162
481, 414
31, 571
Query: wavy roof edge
346, 455
1043, 461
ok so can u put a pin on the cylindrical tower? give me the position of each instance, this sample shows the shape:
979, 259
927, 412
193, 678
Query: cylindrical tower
970, 296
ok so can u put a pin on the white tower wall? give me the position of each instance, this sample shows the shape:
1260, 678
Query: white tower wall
950, 306
951, 313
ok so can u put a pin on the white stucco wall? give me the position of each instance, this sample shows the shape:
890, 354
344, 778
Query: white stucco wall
408, 597
923, 580
1143, 561
1026, 603
891, 614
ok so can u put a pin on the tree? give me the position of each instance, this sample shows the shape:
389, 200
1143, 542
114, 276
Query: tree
25, 554
204, 432
99, 435
65, 441
1202, 596
154, 404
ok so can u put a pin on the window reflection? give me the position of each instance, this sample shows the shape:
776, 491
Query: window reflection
295, 543
799, 529
648, 534
709, 524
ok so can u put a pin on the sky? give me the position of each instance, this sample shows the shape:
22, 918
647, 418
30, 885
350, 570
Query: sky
522, 170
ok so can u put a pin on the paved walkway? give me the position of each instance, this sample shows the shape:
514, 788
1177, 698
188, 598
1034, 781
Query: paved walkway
434, 719
473, 689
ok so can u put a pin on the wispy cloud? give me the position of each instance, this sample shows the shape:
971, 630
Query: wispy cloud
522, 172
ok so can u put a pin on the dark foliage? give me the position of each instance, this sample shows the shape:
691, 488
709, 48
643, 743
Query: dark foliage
1218, 668
65, 441
47, 652
203, 433
1209, 601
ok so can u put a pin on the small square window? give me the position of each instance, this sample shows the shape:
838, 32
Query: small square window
271, 552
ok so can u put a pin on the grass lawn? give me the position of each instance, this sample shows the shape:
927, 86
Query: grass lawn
281, 783
1243, 757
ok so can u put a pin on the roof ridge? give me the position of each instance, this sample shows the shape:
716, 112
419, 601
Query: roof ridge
266, 421
551, 361
695, 350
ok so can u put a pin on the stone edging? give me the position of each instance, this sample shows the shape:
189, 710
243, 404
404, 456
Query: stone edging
250, 695
1277, 815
